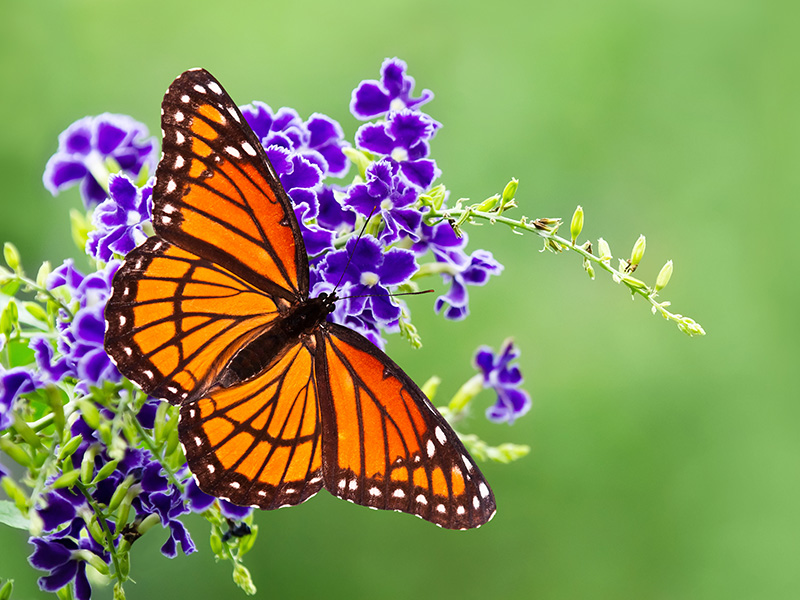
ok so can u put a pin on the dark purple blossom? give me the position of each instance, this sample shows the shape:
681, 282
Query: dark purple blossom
320, 139
392, 93
81, 339
118, 220
332, 215
60, 508
404, 138
386, 193
86, 145
13, 382
52, 369
503, 377
457, 267
168, 504
63, 555
370, 273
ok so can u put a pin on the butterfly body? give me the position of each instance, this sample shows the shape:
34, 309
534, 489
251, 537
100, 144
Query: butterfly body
213, 314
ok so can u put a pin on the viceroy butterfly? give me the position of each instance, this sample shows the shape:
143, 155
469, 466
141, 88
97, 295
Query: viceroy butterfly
213, 313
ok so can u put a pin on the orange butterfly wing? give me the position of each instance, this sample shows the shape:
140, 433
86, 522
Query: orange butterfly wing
260, 442
384, 444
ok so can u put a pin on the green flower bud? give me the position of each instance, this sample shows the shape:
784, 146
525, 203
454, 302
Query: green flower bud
119, 493
90, 557
664, 276
35, 310
576, 226
159, 429
69, 448
638, 252
434, 197
510, 191
632, 282
241, 577
430, 387
5, 591
106, 471
119, 591
44, 271
604, 250
80, 226
87, 464
172, 442
466, 393
12, 256
89, 413
247, 542
216, 544
488, 204
690, 327
15, 452
359, 159
68, 479
9, 318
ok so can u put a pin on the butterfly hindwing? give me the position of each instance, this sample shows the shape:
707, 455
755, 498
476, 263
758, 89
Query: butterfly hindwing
174, 319
385, 445
259, 442
217, 195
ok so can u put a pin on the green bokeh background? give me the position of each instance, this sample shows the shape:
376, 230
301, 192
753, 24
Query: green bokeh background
662, 466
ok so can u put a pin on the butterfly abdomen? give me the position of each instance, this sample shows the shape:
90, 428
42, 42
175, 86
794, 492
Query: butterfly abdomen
298, 323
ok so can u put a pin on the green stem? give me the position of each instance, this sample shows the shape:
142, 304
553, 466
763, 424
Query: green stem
104, 525
151, 445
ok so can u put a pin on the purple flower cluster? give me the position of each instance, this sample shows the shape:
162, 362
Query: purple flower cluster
85, 147
119, 219
505, 379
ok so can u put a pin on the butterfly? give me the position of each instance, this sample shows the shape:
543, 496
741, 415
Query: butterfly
212, 313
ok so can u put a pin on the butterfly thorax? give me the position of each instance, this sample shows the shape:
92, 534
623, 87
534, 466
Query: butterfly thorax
299, 322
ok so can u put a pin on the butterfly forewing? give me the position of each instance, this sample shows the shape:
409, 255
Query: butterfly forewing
217, 195
385, 445
174, 319
259, 442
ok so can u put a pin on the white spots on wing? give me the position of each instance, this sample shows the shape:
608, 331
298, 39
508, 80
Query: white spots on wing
166, 220
235, 485
210, 468
467, 463
192, 412
440, 508
171, 186
185, 98
289, 491
440, 435
122, 320
179, 138
127, 290
248, 148
127, 350
491, 516
179, 116
461, 510
148, 374
417, 458
214, 87
198, 441
233, 113
200, 88
179, 162
169, 209
138, 264
353, 485
233, 152
476, 503
315, 480
431, 448
373, 491
398, 493
422, 500
342, 483
156, 246
185, 395
262, 493
172, 389
484, 489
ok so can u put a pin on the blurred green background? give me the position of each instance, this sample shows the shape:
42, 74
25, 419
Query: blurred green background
662, 466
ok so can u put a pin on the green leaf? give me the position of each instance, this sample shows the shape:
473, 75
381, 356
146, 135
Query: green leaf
11, 516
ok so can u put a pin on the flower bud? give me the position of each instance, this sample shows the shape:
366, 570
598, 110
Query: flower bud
638, 252
576, 226
68, 479
604, 250
488, 204
510, 191
44, 271
15, 452
12, 256
69, 448
663, 276
106, 471
246, 543
5, 591
216, 544
242, 578
89, 413
430, 387
35, 310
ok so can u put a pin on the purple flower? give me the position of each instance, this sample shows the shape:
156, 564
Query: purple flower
85, 146
403, 137
505, 379
61, 508
62, 554
387, 193
392, 93
369, 275
166, 502
43, 352
332, 215
118, 220
13, 382
320, 139
458, 268
81, 339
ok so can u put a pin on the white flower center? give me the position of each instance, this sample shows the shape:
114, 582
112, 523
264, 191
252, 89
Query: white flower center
396, 105
399, 154
369, 279
387, 204
133, 218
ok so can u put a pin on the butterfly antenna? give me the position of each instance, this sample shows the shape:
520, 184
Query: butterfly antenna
389, 295
355, 245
